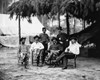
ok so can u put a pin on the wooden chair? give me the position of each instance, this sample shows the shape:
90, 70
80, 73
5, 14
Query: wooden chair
72, 56
37, 58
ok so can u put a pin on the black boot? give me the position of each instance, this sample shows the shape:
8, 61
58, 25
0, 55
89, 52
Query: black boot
64, 68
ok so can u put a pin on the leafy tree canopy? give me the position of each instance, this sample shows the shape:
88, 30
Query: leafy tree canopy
26, 8
23, 7
88, 10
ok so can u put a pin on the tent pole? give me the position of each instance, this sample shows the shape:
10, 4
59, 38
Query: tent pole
19, 29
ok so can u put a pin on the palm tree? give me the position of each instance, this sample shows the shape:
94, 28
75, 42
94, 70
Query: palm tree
56, 9
84, 9
66, 8
22, 9
89, 11
43, 8
28, 8
62, 7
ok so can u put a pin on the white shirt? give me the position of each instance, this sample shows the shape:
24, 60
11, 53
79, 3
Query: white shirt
73, 48
35, 46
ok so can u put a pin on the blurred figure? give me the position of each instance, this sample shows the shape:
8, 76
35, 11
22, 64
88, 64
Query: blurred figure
36, 50
44, 38
23, 53
63, 38
91, 47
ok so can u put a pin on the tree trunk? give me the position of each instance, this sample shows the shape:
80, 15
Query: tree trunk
59, 19
67, 24
58, 10
19, 29
2, 7
52, 22
74, 25
42, 17
83, 24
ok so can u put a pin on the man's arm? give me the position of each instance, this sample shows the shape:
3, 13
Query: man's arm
19, 49
48, 38
40, 37
67, 50
27, 47
58, 36
41, 46
31, 47
60, 47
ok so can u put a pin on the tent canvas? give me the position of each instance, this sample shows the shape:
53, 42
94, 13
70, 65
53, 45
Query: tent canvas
9, 27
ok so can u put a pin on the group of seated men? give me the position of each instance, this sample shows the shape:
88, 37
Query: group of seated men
46, 51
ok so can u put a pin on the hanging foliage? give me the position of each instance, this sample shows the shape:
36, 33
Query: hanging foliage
23, 7
85, 9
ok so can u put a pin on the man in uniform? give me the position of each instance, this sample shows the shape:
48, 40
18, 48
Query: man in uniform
63, 38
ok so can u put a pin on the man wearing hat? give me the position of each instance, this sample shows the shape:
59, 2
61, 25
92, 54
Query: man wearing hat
36, 50
54, 50
72, 50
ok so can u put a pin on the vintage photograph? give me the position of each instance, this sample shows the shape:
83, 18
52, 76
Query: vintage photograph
49, 40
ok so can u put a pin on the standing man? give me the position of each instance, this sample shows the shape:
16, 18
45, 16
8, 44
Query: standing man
44, 38
63, 38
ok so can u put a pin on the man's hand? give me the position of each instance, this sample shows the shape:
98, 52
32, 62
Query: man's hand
67, 50
38, 50
55, 51
61, 42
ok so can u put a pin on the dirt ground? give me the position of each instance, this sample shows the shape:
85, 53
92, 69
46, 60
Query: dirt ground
87, 69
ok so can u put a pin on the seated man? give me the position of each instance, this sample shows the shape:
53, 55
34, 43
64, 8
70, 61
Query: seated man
36, 51
72, 50
54, 50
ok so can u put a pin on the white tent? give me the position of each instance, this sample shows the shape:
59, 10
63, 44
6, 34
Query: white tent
9, 27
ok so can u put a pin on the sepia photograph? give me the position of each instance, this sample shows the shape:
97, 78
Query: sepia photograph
49, 39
